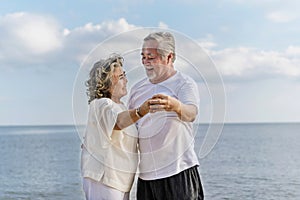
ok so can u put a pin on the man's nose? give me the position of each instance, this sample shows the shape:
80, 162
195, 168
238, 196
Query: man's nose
146, 62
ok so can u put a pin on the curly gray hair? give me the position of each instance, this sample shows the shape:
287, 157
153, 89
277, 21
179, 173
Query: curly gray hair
100, 80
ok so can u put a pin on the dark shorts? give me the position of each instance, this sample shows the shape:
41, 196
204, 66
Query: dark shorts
183, 186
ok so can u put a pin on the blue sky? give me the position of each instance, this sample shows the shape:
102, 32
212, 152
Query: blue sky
255, 45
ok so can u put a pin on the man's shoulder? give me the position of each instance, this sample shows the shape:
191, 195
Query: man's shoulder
185, 78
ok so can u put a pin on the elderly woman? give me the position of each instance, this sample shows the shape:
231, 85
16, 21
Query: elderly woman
109, 151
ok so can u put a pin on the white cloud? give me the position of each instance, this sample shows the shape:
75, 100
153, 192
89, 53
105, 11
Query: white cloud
113, 27
81, 40
207, 42
281, 16
293, 51
30, 39
244, 63
24, 33
277, 11
251, 62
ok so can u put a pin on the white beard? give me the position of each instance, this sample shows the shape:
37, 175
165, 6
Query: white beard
151, 75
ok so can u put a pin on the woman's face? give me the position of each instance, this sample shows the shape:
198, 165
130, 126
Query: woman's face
119, 83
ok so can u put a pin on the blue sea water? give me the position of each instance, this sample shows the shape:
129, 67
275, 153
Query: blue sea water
249, 161
254, 161
39, 162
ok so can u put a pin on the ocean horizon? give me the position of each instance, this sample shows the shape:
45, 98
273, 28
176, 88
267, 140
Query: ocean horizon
256, 160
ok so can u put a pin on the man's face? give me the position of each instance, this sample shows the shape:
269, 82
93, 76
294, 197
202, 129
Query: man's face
155, 66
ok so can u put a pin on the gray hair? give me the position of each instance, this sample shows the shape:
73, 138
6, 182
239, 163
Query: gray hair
166, 43
100, 79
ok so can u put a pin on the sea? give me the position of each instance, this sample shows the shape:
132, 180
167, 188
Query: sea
248, 161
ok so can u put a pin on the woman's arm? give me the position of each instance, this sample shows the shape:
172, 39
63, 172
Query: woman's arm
128, 117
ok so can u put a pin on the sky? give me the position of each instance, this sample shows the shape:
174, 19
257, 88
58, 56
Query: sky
254, 45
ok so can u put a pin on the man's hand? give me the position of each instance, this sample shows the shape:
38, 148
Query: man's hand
161, 102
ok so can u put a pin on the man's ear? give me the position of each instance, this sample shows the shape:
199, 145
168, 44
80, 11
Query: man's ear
170, 57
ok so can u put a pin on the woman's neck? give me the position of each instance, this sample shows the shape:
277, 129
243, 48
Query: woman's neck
116, 99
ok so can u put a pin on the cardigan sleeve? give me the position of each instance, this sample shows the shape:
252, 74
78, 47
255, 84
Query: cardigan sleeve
105, 118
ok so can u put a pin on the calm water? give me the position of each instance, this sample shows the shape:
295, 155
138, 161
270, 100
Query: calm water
40, 162
250, 161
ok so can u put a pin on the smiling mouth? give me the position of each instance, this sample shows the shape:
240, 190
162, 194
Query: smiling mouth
149, 69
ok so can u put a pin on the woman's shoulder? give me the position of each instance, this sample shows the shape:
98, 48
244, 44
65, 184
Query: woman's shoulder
102, 101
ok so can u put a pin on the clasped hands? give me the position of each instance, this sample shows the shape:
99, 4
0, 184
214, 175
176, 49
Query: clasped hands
161, 102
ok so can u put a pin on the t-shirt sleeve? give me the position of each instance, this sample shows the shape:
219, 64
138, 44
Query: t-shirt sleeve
189, 93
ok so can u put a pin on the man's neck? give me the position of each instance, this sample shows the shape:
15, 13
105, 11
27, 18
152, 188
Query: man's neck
166, 76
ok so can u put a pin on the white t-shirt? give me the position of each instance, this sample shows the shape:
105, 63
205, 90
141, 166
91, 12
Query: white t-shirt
109, 156
166, 143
